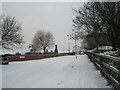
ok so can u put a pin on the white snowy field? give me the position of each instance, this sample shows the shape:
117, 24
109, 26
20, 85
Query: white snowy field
0, 77
58, 72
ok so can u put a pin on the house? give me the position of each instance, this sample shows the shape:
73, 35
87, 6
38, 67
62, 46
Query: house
77, 49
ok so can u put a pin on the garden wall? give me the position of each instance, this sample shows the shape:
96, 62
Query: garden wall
31, 57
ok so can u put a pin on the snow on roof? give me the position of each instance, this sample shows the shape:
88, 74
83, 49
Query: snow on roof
102, 48
76, 46
105, 48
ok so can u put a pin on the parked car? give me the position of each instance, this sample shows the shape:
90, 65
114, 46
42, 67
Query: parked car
5, 60
81, 53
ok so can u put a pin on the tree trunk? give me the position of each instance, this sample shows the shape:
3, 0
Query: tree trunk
97, 40
44, 51
97, 48
112, 38
114, 47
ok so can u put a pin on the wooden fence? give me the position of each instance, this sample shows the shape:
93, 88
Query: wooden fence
109, 67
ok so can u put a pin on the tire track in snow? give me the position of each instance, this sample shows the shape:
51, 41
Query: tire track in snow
59, 72
25, 72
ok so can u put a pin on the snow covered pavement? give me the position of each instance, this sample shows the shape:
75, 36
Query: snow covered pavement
57, 72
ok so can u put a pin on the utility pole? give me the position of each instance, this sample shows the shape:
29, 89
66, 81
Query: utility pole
75, 45
75, 38
68, 43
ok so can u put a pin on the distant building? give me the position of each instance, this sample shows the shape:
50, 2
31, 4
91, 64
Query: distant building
77, 49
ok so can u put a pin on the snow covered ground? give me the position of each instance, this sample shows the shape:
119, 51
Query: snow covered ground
57, 72
0, 76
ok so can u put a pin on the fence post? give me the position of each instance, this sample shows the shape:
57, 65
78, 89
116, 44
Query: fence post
94, 61
118, 64
101, 65
92, 57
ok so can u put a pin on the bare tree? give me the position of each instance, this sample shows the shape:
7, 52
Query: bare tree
109, 12
42, 40
99, 17
87, 22
10, 32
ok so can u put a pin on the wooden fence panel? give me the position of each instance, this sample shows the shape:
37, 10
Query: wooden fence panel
108, 66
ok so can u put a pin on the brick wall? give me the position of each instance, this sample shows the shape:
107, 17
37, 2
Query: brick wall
30, 57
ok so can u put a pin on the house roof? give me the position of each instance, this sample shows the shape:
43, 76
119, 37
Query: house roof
76, 46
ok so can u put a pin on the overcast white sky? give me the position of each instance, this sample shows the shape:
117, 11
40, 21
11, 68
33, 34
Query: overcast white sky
55, 17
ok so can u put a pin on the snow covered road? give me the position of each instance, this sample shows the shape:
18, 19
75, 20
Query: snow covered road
58, 72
